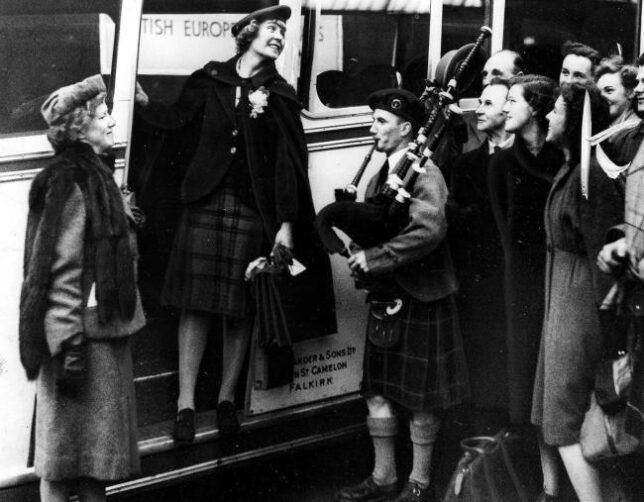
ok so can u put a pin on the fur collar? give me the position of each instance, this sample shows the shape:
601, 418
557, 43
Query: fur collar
106, 248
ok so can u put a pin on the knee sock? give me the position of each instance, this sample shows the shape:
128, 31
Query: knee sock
423, 436
550, 466
383, 434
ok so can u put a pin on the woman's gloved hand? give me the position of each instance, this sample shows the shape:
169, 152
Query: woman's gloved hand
74, 362
282, 254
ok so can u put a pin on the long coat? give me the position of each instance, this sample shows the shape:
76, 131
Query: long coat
519, 186
475, 245
91, 432
572, 343
277, 160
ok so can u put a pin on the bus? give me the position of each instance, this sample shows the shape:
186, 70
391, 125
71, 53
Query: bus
337, 52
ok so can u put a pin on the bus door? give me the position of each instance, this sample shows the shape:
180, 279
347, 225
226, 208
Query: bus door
175, 41
334, 61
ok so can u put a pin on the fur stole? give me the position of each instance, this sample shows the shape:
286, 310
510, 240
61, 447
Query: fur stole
106, 248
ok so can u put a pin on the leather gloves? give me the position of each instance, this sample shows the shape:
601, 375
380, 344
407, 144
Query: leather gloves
282, 256
74, 362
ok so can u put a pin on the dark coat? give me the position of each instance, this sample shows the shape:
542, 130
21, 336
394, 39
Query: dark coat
474, 237
519, 186
621, 148
475, 245
277, 160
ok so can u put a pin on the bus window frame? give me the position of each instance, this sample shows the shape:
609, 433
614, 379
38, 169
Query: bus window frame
325, 112
33, 145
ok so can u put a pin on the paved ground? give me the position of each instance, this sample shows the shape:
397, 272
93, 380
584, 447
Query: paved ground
315, 475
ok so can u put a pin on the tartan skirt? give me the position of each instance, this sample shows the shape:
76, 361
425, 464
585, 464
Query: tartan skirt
216, 239
425, 370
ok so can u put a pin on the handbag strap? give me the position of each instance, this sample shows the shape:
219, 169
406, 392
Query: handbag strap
481, 445
518, 486
489, 478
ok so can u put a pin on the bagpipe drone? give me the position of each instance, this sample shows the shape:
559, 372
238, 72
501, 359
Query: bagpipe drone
381, 217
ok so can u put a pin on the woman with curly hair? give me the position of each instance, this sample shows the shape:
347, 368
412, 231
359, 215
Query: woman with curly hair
572, 343
520, 178
245, 194
616, 83
80, 304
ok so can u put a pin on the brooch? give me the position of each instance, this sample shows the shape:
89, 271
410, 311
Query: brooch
258, 100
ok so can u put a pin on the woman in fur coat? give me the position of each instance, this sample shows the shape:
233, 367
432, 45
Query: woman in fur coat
80, 304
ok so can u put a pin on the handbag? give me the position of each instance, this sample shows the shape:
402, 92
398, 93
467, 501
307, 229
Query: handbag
614, 423
495, 468
384, 324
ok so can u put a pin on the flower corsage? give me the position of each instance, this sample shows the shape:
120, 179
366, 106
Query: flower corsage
258, 100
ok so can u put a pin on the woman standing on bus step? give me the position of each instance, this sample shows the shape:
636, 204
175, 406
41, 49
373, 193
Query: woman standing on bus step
80, 304
245, 194
520, 178
573, 343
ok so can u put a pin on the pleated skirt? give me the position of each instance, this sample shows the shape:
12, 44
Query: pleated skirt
216, 240
426, 369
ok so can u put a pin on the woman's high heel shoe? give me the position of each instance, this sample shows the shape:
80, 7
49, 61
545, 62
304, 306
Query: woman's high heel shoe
184, 426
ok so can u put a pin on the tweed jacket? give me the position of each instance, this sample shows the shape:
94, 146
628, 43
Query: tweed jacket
418, 257
71, 298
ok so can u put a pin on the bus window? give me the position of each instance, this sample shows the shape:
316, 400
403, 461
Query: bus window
537, 29
462, 20
356, 52
41, 53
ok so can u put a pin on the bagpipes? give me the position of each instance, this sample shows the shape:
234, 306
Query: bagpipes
377, 220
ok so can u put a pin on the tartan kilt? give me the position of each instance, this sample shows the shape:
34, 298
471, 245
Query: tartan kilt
425, 370
217, 237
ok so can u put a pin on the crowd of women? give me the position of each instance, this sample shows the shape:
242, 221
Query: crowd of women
553, 224
80, 302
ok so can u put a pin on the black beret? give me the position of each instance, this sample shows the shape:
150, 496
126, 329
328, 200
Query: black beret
281, 12
399, 102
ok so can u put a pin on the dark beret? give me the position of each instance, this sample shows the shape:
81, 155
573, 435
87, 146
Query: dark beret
281, 12
65, 99
399, 102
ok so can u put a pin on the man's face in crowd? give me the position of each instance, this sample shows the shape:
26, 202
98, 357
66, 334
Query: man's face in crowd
639, 90
499, 65
575, 69
490, 116
388, 131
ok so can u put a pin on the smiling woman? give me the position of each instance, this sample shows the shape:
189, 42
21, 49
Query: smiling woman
256, 201
80, 304
520, 178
